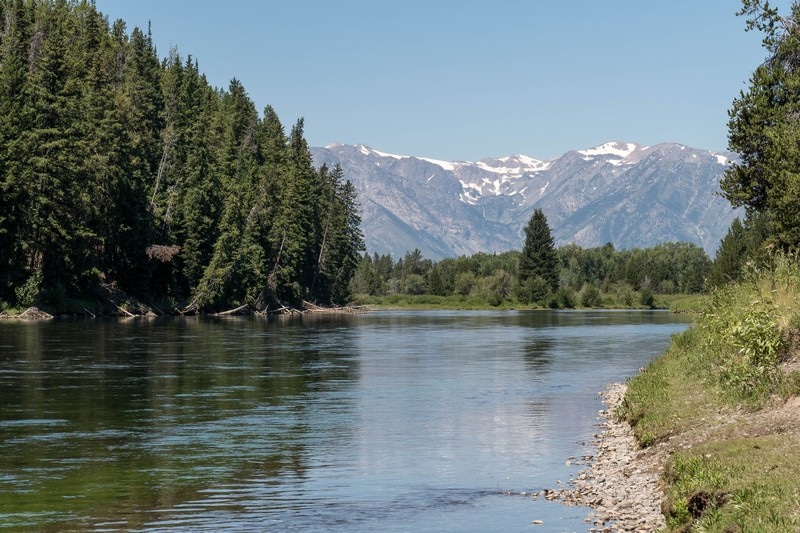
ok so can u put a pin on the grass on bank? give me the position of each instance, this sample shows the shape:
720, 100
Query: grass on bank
687, 303
722, 404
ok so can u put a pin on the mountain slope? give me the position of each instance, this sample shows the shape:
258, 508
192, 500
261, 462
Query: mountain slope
624, 193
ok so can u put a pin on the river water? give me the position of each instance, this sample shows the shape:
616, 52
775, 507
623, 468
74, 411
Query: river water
387, 421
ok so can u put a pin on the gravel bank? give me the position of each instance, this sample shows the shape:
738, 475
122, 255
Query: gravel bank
621, 482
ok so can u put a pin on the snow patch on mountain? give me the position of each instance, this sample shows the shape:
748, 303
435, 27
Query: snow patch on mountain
444, 164
515, 165
366, 150
619, 149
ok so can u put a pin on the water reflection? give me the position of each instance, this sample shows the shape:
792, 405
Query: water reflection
401, 420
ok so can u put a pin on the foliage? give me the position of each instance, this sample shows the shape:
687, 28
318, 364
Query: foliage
763, 127
116, 166
30, 292
590, 296
743, 243
494, 278
713, 389
748, 326
669, 267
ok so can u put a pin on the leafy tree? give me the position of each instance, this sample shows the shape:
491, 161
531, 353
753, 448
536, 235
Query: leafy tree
590, 296
538, 259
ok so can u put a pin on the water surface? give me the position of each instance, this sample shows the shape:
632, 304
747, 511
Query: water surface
391, 421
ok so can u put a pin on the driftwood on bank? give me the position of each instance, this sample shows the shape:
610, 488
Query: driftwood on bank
31, 313
241, 310
128, 307
282, 309
122, 302
314, 308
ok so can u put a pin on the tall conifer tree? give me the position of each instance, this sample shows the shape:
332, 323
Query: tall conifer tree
538, 260
763, 127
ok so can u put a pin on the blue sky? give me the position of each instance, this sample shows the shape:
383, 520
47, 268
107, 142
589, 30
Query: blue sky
468, 79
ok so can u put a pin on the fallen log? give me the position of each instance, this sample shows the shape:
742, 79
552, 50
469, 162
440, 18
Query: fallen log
242, 309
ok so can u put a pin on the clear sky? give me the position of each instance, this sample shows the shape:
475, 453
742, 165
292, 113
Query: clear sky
468, 79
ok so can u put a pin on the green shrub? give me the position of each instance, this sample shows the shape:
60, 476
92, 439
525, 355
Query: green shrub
533, 290
590, 296
565, 297
646, 298
30, 292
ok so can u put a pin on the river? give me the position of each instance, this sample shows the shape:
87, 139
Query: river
419, 421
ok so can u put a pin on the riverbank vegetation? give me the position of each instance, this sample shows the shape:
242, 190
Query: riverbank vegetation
722, 406
723, 402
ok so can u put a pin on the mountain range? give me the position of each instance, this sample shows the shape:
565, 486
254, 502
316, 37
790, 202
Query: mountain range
620, 192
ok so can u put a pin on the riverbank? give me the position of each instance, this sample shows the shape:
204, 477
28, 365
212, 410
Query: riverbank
621, 485
708, 434
729, 473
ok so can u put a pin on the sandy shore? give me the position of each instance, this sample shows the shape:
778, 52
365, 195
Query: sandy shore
621, 481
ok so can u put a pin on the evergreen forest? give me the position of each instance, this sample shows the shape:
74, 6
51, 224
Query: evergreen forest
125, 175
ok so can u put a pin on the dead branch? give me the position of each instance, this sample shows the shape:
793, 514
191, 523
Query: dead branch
242, 309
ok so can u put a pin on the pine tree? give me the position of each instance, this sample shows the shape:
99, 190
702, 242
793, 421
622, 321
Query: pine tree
15, 28
236, 266
55, 235
538, 265
731, 255
763, 127
197, 213
341, 238
292, 235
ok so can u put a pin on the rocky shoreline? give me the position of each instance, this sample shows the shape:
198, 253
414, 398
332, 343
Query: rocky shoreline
621, 484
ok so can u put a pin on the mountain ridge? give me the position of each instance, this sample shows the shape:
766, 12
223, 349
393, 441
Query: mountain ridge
625, 193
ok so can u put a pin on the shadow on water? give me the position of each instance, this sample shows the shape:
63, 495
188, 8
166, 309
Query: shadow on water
117, 417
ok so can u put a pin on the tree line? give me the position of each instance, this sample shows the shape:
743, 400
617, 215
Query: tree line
541, 274
118, 168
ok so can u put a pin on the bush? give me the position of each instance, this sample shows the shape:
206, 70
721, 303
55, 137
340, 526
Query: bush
30, 292
533, 290
748, 327
590, 296
565, 297
625, 295
464, 283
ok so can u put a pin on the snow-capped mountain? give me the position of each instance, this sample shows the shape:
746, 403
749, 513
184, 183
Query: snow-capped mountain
620, 192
